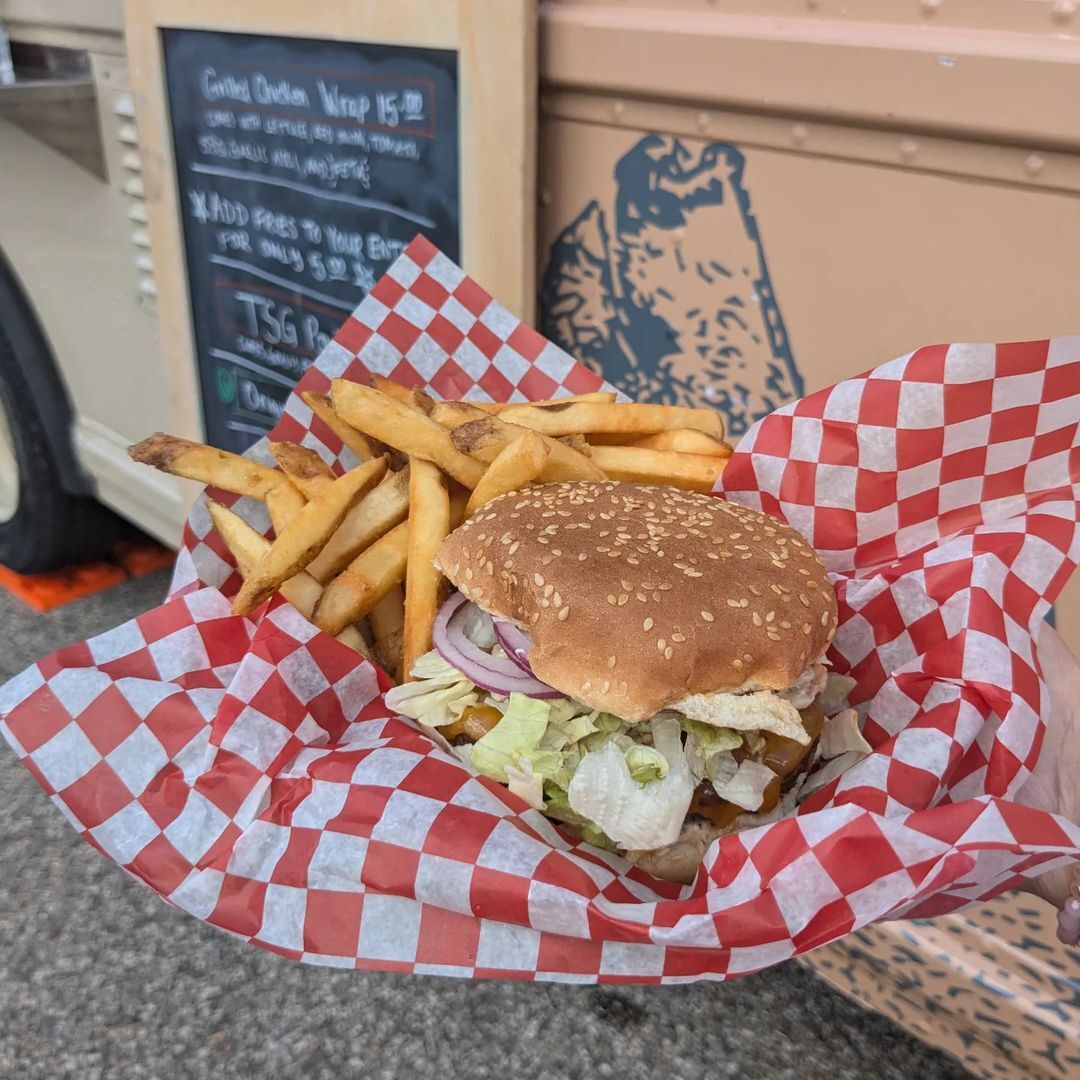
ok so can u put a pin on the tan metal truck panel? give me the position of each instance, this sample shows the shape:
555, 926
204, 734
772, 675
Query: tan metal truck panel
744, 202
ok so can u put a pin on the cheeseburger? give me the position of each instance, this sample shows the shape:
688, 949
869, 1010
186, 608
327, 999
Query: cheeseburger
643, 664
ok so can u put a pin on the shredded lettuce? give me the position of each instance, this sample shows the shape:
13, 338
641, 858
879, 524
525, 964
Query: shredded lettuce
514, 738
558, 807
438, 696
645, 763
638, 816
704, 743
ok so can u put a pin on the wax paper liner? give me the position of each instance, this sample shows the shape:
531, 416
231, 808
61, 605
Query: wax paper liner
248, 770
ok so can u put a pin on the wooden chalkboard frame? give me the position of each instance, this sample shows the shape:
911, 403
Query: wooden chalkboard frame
496, 44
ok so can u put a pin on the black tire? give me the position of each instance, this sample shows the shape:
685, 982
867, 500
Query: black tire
49, 527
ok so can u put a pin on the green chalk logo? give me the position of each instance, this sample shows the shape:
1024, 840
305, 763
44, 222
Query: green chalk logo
226, 385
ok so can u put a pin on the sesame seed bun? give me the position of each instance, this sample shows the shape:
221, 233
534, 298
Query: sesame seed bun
636, 596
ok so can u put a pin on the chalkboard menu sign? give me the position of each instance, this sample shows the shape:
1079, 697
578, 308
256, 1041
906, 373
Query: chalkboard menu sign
304, 167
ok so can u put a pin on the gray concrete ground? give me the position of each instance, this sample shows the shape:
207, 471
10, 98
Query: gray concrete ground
99, 978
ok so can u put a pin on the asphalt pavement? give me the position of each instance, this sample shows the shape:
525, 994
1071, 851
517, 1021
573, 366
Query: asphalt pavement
99, 978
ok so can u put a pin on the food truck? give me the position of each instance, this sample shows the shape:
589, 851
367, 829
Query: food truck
725, 202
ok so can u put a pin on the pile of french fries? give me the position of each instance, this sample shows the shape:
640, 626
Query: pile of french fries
355, 553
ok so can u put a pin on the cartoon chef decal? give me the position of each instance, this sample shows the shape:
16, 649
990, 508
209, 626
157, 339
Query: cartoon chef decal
665, 289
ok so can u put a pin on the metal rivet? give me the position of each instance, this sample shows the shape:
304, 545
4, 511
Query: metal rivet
908, 148
1034, 164
545, 198
799, 133
1063, 10
618, 107
930, 6
703, 119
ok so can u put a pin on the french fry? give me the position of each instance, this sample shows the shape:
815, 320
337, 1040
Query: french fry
412, 396
586, 417
372, 517
364, 582
482, 439
518, 464
400, 426
452, 414
246, 544
387, 620
193, 461
685, 441
598, 396
349, 436
429, 523
578, 443
305, 535
459, 499
308, 472
248, 548
283, 502
352, 637
693, 472
407, 395
485, 438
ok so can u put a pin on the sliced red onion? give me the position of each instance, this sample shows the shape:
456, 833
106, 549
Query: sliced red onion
516, 643
497, 675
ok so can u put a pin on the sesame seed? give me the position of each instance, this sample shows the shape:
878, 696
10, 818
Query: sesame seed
757, 619
611, 661
606, 686
586, 687
661, 645
539, 580
647, 624
468, 573
806, 628
622, 599
611, 599
549, 589
824, 618
678, 637
785, 624
668, 653
707, 616
563, 612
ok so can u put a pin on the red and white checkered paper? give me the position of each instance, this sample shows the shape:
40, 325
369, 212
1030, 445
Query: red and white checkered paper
248, 770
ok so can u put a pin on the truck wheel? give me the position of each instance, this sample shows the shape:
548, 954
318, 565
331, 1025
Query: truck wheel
42, 527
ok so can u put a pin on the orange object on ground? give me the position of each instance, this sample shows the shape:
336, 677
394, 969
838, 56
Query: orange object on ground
129, 559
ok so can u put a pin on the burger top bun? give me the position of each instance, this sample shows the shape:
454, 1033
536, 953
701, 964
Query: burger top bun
636, 596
